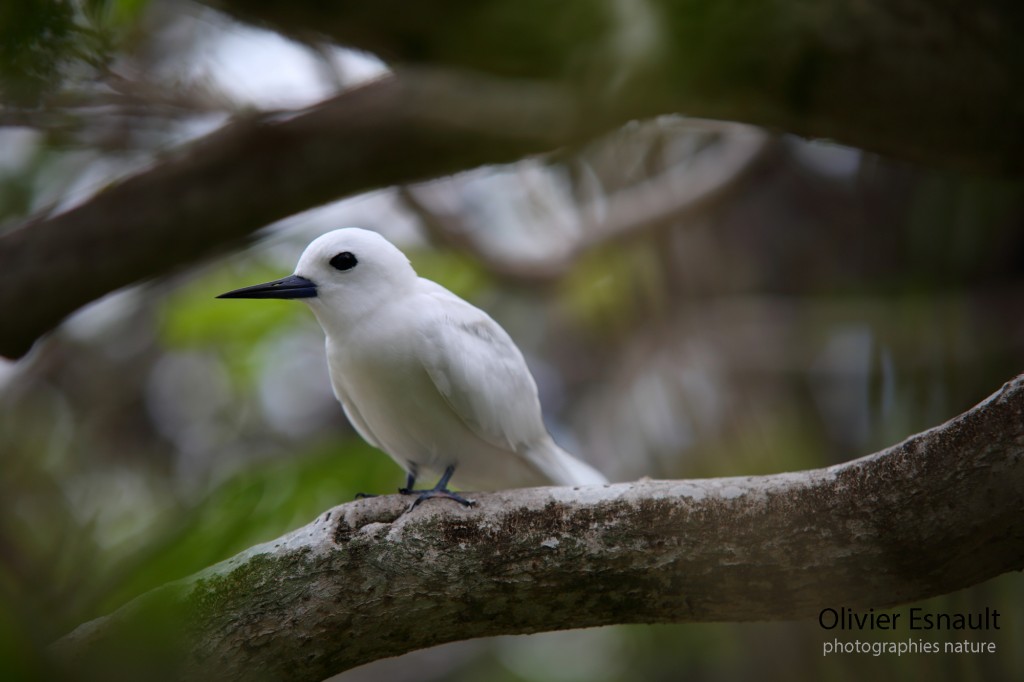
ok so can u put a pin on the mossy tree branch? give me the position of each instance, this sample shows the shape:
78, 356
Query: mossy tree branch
935, 513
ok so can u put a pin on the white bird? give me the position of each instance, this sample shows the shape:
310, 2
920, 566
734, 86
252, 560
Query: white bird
423, 375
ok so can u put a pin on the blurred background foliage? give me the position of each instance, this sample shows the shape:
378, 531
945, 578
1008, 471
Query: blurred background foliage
811, 304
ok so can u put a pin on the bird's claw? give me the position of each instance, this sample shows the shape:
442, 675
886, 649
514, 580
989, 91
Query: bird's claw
439, 490
435, 492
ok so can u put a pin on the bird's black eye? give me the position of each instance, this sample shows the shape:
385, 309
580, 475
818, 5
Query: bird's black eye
346, 260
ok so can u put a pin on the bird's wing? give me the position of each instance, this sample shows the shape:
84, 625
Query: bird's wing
480, 372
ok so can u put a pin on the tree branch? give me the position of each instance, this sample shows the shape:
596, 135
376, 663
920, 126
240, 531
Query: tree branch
935, 513
916, 79
661, 200
262, 168
912, 79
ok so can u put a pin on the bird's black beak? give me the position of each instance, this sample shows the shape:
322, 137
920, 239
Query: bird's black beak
292, 286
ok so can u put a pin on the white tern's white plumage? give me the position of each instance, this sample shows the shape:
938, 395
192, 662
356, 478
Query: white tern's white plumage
423, 375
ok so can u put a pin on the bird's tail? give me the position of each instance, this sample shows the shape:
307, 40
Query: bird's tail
562, 468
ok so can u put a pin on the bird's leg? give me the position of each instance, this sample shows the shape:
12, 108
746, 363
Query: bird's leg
439, 490
410, 481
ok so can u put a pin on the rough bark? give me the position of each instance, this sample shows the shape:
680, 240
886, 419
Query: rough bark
935, 513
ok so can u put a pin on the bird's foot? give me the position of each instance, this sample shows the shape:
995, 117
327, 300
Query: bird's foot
360, 496
435, 492
439, 490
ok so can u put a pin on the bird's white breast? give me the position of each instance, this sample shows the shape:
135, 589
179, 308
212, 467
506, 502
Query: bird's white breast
377, 374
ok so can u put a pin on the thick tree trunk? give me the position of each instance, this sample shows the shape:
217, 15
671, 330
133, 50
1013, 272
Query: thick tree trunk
941, 511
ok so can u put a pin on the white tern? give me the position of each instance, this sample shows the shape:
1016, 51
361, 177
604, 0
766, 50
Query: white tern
421, 374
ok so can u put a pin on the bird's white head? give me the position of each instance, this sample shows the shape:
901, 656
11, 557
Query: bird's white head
342, 275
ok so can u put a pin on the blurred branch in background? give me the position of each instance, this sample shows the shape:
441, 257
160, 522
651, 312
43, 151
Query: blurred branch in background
660, 198
260, 168
927, 84
426, 122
